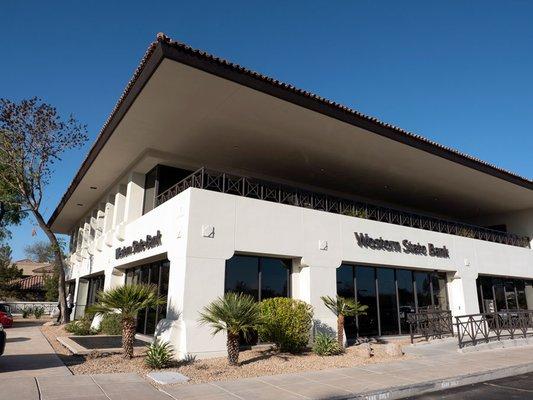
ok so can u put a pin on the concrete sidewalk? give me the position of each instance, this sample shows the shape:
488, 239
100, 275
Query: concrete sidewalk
37, 374
437, 366
28, 353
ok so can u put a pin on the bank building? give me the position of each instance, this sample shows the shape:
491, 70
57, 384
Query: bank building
209, 177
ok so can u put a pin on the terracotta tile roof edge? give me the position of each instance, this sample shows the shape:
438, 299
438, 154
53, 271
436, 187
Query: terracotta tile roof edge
162, 38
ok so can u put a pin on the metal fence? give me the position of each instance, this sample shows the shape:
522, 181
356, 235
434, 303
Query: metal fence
18, 306
268, 191
486, 327
430, 324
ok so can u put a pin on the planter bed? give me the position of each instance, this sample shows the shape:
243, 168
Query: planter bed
81, 345
253, 363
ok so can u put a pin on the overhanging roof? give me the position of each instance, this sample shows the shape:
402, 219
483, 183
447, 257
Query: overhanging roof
184, 101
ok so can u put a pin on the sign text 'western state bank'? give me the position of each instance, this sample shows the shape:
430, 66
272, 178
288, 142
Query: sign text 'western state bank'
406, 246
139, 245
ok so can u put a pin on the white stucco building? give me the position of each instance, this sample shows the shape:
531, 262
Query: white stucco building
208, 177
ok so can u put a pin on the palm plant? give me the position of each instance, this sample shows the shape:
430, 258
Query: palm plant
235, 314
343, 307
127, 300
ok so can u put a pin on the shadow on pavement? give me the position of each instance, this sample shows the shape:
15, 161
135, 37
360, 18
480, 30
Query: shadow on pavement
20, 362
17, 339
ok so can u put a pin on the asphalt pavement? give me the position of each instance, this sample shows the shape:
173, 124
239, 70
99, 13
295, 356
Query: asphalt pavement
514, 387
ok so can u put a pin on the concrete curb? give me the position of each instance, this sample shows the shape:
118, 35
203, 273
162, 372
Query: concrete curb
400, 392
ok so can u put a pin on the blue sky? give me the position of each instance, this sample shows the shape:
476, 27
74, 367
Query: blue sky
457, 72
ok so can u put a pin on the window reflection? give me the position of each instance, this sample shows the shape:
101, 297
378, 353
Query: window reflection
260, 277
157, 274
499, 294
394, 292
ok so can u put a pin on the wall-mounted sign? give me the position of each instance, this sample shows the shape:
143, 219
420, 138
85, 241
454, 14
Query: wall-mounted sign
406, 246
139, 246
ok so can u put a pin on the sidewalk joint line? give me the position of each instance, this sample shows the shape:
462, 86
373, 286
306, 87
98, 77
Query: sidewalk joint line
227, 391
285, 390
38, 387
100, 387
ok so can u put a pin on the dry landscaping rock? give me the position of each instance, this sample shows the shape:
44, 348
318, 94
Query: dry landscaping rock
394, 349
253, 363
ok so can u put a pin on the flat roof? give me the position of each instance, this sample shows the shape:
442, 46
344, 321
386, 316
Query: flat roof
195, 60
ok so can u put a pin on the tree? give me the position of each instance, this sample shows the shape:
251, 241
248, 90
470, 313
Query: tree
41, 251
235, 314
8, 273
10, 209
33, 137
343, 307
127, 300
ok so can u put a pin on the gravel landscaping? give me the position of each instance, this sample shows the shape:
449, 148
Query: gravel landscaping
252, 362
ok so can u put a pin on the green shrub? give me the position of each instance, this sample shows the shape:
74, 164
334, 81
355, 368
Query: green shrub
326, 345
38, 312
26, 312
111, 324
285, 322
80, 327
159, 355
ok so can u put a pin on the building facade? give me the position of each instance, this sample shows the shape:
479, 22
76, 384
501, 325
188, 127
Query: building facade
209, 178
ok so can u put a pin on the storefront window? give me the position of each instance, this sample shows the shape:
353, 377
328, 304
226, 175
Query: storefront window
423, 289
438, 288
242, 275
365, 281
499, 294
389, 294
388, 304
406, 296
260, 277
155, 274
96, 284
346, 288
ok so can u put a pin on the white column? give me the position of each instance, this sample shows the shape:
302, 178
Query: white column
462, 293
309, 284
193, 284
120, 204
108, 213
134, 197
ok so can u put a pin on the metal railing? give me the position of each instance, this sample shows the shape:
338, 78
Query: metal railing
486, 327
430, 324
279, 193
17, 307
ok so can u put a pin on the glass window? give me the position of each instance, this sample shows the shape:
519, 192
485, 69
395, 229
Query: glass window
388, 305
406, 297
260, 277
149, 190
440, 299
242, 275
346, 288
155, 274
510, 295
345, 281
158, 180
274, 278
365, 283
423, 289
499, 293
